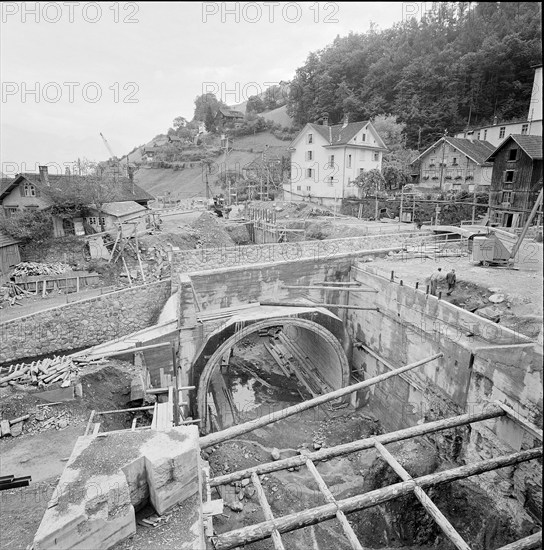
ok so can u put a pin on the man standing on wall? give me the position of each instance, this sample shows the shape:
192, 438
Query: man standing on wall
451, 279
435, 277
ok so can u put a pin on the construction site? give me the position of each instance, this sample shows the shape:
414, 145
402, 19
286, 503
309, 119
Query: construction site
287, 393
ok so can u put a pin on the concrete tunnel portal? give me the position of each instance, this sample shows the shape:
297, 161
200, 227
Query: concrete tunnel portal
315, 336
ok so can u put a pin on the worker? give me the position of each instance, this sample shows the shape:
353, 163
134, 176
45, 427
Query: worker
435, 277
451, 279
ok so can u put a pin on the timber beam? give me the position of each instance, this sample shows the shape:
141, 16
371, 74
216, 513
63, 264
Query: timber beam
298, 520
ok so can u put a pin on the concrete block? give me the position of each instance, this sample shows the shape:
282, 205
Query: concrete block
107, 477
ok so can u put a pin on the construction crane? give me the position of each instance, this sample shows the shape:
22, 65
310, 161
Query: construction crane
115, 160
110, 151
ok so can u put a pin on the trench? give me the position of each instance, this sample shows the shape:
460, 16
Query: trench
254, 384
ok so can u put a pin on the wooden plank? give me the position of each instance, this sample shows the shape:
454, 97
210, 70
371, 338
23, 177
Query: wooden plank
126, 351
317, 304
267, 511
235, 431
329, 497
155, 391
297, 520
361, 444
134, 421
155, 414
308, 287
133, 409
527, 543
91, 417
442, 521
96, 428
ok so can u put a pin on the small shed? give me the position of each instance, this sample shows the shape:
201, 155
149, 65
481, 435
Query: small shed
9, 253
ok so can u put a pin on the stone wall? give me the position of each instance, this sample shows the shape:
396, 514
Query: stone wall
84, 323
184, 261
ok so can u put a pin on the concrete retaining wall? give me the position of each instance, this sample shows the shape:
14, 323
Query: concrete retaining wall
184, 261
84, 323
482, 362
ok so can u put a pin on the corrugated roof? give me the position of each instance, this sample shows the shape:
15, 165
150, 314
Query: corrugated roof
7, 240
124, 189
532, 145
119, 209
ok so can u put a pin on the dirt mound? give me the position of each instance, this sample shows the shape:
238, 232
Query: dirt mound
211, 232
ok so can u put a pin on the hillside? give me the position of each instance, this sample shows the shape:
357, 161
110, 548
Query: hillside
189, 183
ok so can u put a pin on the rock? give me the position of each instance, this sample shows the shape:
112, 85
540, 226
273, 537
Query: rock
16, 429
250, 491
494, 290
236, 506
40, 415
245, 482
62, 423
317, 445
490, 313
275, 453
496, 298
241, 494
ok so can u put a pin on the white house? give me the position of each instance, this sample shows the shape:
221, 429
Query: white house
326, 159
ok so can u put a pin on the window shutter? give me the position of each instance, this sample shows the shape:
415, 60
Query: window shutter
37, 189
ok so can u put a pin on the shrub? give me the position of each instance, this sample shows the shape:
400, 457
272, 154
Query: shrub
28, 225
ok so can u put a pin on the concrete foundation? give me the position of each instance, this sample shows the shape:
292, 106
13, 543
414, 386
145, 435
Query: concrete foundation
109, 476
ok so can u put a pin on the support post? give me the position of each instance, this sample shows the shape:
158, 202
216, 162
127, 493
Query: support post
297, 520
329, 497
276, 537
428, 504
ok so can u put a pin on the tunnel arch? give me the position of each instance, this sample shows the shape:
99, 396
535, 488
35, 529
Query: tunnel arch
322, 335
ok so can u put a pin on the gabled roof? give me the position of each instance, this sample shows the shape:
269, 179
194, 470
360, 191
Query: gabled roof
230, 113
340, 134
532, 145
477, 151
125, 190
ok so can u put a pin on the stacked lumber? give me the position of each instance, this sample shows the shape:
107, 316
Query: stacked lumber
36, 268
41, 373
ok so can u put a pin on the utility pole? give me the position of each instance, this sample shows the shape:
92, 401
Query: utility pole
442, 163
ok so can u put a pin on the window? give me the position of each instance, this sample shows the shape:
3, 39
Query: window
349, 161
299, 188
92, 221
502, 131
331, 161
485, 135
377, 157
310, 138
506, 196
361, 170
454, 163
512, 155
309, 172
509, 176
308, 188
478, 136
331, 181
363, 137
10, 211
524, 129
433, 161
29, 190
309, 155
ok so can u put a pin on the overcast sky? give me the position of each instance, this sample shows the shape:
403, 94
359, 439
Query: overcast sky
128, 69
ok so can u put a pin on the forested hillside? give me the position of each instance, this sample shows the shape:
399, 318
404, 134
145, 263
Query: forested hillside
453, 66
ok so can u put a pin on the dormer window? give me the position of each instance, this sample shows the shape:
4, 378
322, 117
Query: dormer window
29, 190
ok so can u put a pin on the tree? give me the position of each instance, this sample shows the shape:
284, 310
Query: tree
28, 226
394, 177
255, 104
93, 186
369, 182
209, 119
179, 122
204, 103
